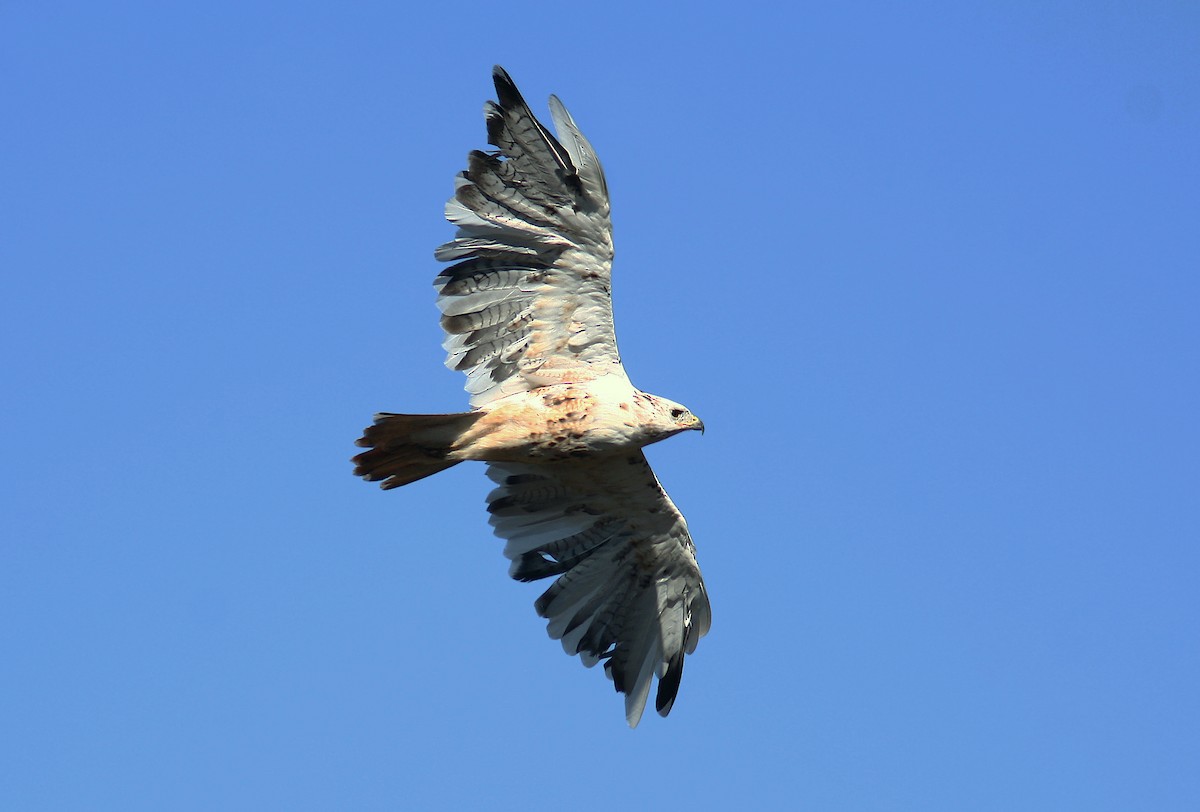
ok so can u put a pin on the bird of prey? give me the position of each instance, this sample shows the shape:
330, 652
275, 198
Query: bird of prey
527, 312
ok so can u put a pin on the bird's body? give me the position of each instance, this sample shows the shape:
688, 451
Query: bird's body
559, 422
528, 315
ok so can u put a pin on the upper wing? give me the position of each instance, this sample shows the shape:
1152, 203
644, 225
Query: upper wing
629, 589
528, 301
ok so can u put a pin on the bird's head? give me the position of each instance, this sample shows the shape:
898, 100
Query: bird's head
671, 417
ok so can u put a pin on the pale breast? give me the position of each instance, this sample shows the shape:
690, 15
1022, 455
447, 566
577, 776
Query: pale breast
554, 422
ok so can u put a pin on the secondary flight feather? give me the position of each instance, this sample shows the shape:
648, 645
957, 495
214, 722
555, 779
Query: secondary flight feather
527, 310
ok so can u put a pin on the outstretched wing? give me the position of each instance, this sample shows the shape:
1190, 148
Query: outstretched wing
629, 590
527, 302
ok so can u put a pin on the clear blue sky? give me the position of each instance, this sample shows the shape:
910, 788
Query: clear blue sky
930, 275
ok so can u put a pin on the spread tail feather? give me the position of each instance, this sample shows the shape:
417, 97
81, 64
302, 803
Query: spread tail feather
408, 447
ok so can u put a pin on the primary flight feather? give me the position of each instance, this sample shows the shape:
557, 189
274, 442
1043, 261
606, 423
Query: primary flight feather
527, 311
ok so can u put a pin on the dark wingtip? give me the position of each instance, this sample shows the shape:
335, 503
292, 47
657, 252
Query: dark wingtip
508, 98
668, 685
506, 88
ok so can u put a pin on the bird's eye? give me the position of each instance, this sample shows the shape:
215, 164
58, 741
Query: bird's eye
678, 413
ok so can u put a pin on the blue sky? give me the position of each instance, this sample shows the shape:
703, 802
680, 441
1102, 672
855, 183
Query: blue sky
929, 272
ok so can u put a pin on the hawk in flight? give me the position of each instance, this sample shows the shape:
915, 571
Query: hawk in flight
527, 311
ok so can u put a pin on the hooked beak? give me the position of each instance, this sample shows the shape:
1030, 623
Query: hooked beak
699, 426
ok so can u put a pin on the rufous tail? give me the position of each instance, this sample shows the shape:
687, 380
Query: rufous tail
408, 447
